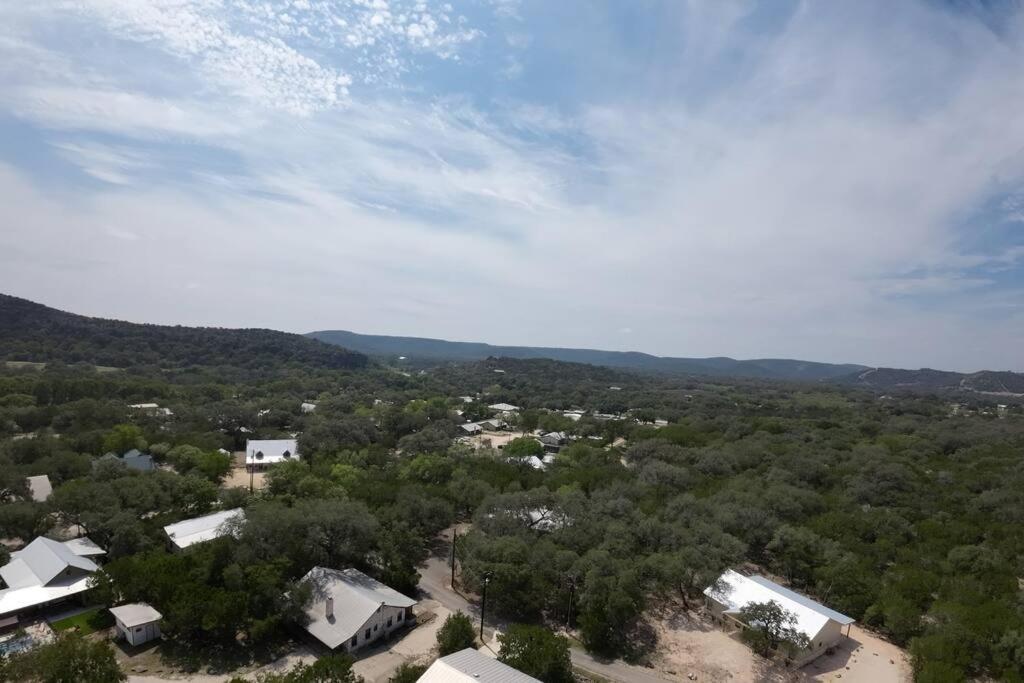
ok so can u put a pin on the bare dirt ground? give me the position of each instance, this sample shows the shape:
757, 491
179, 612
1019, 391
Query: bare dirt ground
492, 439
862, 658
239, 476
690, 648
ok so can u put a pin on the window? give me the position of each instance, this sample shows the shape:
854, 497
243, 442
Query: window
287, 454
389, 622
367, 634
355, 639
401, 616
375, 627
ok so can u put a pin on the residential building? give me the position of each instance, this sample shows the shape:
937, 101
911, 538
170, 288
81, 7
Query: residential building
470, 666
350, 610
822, 626
307, 407
260, 454
133, 460
137, 623
43, 573
471, 428
189, 532
504, 407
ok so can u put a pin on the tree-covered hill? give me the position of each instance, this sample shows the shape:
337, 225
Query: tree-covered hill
926, 379
37, 333
441, 350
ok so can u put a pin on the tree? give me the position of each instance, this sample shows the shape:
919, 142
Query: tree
537, 652
408, 673
455, 634
524, 446
69, 659
122, 438
771, 626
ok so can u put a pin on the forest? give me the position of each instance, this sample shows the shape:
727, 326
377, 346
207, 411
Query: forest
895, 509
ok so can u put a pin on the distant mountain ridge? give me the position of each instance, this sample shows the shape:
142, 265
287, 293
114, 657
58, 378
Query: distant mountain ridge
33, 332
441, 350
992, 382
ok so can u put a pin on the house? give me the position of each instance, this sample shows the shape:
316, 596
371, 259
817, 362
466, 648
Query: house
43, 573
189, 532
494, 424
466, 399
545, 519
263, 453
553, 441
350, 610
150, 409
504, 407
573, 415
133, 460
307, 407
471, 428
137, 623
470, 666
822, 626
40, 488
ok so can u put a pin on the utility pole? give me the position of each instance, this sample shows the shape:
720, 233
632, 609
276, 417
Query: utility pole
483, 604
455, 537
252, 469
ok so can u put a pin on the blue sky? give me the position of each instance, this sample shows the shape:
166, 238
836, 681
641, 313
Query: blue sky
830, 181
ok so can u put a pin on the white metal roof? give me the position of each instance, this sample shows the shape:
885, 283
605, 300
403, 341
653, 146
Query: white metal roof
40, 488
503, 406
201, 529
272, 450
469, 665
84, 547
356, 598
135, 614
17, 599
40, 562
735, 591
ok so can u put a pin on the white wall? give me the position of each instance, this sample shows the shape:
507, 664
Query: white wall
380, 621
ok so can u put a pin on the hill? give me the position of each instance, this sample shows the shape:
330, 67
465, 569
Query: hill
984, 382
33, 332
441, 350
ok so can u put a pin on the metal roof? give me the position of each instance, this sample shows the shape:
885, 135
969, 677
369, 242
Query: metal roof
470, 665
356, 598
135, 614
40, 562
272, 450
804, 600
40, 487
201, 529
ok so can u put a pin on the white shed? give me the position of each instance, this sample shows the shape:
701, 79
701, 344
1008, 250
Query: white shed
137, 623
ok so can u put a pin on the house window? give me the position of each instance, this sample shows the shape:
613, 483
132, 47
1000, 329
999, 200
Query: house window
389, 622
401, 616
367, 635
375, 628
355, 639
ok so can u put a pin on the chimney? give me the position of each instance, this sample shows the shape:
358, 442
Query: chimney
330, 607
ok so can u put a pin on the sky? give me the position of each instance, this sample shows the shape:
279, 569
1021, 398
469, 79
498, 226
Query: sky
831, 181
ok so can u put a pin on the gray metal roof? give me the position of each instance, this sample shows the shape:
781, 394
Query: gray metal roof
356, 598
201, 529
41, 561
803, 600
470, 665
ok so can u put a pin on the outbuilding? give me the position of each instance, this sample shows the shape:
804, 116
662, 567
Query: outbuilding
471, 666
137, 622
260, 453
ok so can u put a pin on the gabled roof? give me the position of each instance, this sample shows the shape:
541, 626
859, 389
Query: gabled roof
40, 562
270, 451
40, 487
201, 529
356, 598
84, 547
736, 591
471, 666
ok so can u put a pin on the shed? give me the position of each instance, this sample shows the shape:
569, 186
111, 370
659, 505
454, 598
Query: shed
137, 622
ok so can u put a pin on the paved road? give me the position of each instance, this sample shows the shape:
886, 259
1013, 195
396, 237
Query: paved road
435, 578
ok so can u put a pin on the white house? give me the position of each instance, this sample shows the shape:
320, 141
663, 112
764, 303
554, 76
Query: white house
151, 409
307, 407
470, 666
42, 573
262, 453
40, 488
822, 626
503, 407
350, 610
189, 532
137, 623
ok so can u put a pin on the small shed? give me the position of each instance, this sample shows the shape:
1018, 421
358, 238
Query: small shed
137, 623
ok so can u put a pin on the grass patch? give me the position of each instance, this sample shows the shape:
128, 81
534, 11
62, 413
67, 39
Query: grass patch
93, 620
